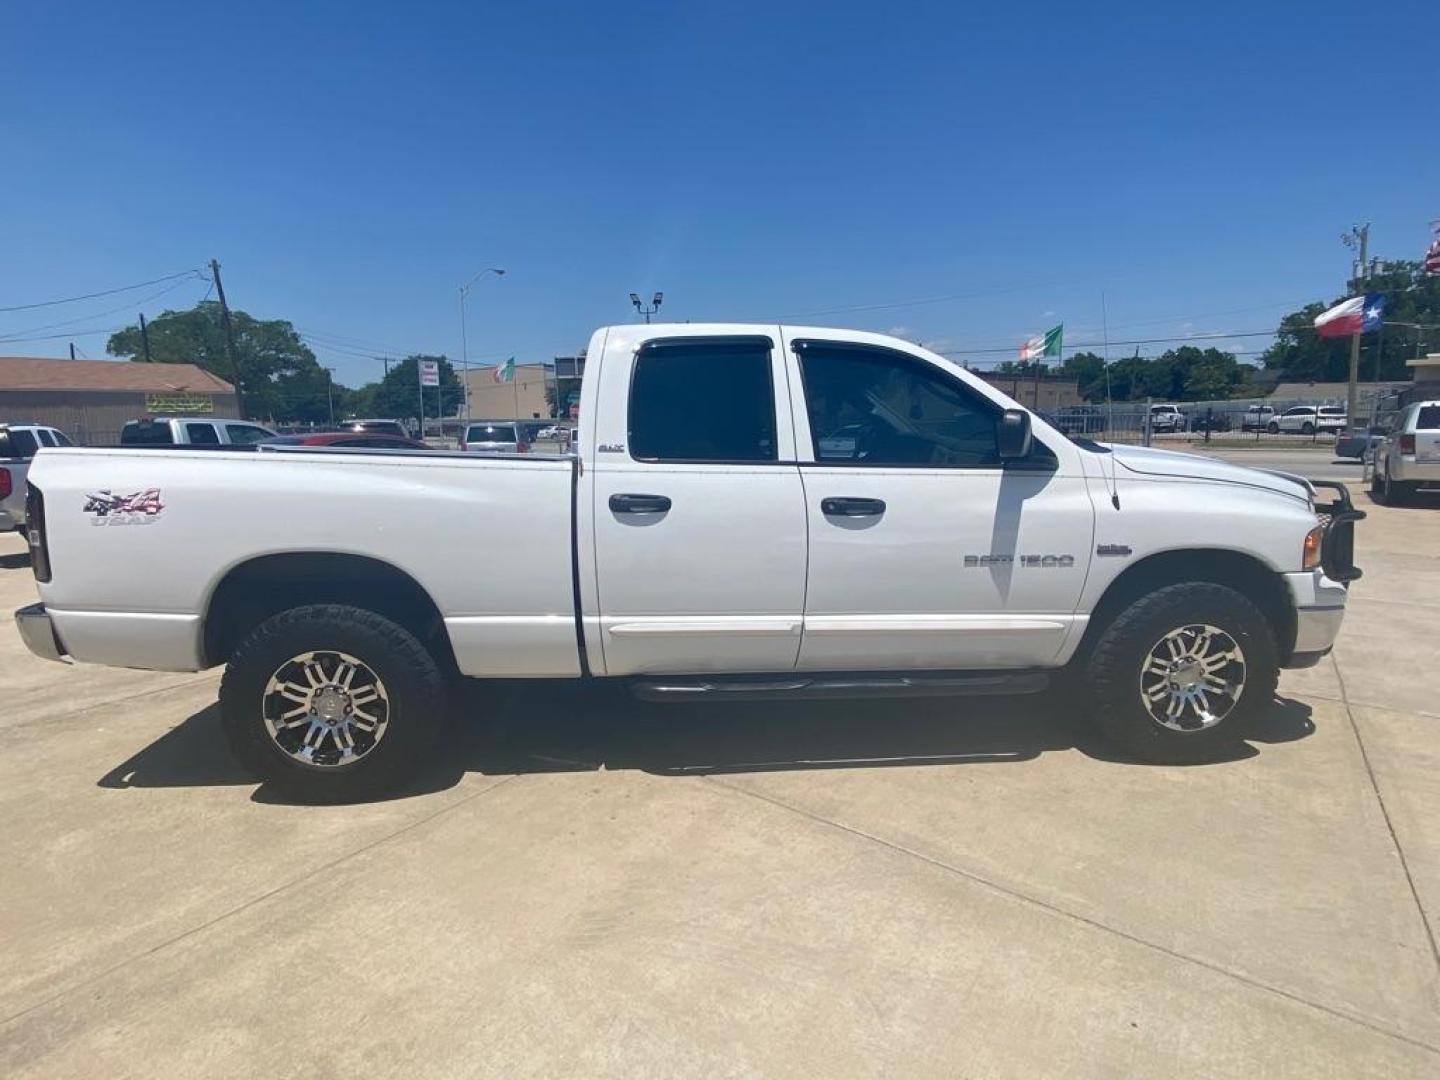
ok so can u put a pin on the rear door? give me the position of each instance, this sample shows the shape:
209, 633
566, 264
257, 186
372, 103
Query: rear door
698, 512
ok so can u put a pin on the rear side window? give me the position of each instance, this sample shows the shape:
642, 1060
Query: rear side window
1428, 418
202, 434
703, 401
46, 439
244, 434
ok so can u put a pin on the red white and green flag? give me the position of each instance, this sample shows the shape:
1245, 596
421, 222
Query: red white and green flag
505, 372
1046, 344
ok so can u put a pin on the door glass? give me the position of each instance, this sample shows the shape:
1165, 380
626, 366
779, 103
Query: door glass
202, 434
61, 439
46, 439
878, 407
244, 434
703, 401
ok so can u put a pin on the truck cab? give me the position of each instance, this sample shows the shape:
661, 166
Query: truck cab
162, 431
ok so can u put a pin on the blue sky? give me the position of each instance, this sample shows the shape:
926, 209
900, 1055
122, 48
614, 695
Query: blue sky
350, 164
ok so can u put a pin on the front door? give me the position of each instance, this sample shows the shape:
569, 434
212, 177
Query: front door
699, 514
926, 552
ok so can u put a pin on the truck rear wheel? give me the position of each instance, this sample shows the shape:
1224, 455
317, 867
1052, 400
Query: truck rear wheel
1182, 675
331, 703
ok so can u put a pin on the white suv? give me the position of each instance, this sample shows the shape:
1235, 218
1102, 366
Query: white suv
1308, 419
1408, 455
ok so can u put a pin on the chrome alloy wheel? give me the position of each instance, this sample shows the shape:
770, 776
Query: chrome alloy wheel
325, 708
1192, 678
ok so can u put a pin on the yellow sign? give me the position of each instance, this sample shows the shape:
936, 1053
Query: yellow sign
179, 403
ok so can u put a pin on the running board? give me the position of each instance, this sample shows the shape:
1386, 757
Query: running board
811, 687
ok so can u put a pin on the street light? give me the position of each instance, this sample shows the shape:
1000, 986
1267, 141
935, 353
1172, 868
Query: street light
647, 311
464, 345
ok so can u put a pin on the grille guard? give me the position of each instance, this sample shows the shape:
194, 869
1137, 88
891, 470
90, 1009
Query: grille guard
1337, 545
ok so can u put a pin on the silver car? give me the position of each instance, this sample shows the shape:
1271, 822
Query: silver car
494, 437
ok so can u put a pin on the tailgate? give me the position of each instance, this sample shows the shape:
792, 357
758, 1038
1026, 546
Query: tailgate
1427, 447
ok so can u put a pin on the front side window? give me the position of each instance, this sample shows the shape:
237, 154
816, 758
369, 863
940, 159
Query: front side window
244, 434
202, 434
878, 407
61, 439
703, 401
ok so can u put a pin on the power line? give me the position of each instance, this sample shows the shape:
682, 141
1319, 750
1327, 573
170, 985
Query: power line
1099, 344
92, 315
103, 292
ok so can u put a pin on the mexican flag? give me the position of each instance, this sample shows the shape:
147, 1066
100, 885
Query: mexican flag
1046, 344
505, 372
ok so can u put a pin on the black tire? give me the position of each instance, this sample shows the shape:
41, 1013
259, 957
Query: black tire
1307, 428
1393, 492
1376, 492
1273, 428
1112, 672
415, 692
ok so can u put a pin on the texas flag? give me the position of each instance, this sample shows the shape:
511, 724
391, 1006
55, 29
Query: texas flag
1358, 315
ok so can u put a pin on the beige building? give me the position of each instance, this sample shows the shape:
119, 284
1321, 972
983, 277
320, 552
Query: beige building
90, 400
1056, 391
521, 399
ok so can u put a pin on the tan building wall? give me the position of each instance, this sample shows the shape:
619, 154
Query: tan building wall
520, 400
1055, 393
95, 417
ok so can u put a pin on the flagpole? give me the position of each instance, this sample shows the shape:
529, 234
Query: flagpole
514, 388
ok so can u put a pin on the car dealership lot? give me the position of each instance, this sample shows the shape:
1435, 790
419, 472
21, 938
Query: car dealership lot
591, 886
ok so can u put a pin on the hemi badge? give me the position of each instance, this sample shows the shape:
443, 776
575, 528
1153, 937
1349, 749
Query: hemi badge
1113, 549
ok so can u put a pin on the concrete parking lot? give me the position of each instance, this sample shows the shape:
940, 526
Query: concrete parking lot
586, 886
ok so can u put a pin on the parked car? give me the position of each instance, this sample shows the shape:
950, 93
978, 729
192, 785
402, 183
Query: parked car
1359, 444
1308, 419
716, 541
1166, 418
377, 427
494, 437
1081, 420
550, 433
191, 433
1211, 420
1409, 454
1257, 418
344, 440
19, 443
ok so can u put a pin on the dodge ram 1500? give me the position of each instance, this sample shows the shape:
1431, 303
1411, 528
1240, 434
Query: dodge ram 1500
750, 510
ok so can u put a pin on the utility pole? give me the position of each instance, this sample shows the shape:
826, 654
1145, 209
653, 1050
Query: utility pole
1358, 240
330, 392
229, 339
72, 350
145, 338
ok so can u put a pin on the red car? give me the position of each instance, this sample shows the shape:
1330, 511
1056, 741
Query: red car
350, 440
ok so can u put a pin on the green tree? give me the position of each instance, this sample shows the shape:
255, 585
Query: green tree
1088, 371
278, 374
398, 394
1411, 296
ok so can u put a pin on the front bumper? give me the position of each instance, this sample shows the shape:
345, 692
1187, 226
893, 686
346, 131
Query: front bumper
1319, 611
38, 632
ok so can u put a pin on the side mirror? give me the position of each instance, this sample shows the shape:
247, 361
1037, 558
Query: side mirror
1012, 434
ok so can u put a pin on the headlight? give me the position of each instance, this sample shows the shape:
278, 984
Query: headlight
1310, 557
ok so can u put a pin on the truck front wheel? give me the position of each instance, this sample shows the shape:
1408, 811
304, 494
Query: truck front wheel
331, 703
1182, 674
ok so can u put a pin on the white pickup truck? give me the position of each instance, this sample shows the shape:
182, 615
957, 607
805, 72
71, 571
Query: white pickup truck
750, 511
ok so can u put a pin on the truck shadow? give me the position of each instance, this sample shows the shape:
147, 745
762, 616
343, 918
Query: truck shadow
508, 729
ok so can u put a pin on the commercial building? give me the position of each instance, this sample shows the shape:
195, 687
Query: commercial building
522, 398
1055, 391
90, 400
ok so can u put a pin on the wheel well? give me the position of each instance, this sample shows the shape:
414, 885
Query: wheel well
255, 590
1243, 573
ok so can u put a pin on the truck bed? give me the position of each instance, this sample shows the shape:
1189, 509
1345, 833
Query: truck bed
488, 538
